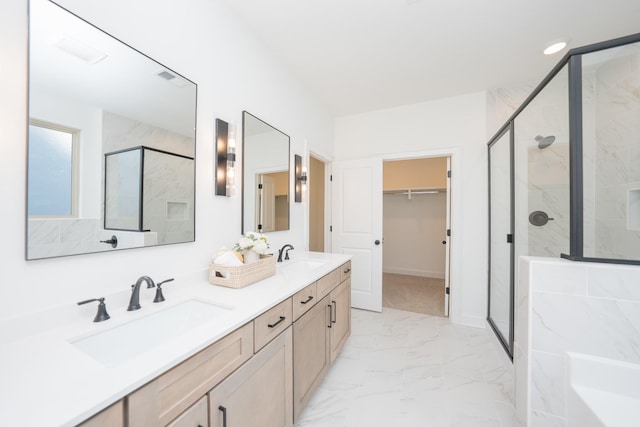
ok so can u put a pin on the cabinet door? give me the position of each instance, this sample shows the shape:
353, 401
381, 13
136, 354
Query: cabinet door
196, 416
340, 301
113, 416
260, 393
311, 358
172, 393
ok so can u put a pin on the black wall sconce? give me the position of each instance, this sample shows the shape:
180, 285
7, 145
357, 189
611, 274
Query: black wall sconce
300, 178
225, 160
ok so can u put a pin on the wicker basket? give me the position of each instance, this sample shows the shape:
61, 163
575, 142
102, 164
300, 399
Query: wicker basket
242, 275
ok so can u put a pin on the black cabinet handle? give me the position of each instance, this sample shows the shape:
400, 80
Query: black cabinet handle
224, 415
334, 312
330, 314
347, 271
273, 325
377, 242
308, 300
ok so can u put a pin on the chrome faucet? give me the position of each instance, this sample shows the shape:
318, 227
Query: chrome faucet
134, 302
285, 249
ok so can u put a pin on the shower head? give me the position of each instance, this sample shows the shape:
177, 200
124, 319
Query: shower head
545, 141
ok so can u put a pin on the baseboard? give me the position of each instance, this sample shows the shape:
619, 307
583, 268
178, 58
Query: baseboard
412, 272
478, 322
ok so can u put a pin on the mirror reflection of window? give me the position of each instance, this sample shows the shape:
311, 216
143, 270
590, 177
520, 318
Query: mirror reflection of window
52, 170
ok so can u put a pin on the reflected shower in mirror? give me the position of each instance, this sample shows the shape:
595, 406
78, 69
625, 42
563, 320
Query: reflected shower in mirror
265, 183
91, 96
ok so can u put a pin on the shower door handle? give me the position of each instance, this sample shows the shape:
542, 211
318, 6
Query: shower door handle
509, 238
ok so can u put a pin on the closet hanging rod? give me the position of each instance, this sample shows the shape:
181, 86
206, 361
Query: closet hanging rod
416, 191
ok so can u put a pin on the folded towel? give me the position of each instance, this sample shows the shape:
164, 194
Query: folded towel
228, 259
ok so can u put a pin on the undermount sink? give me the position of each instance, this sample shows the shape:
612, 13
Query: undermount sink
123, 342
300, 265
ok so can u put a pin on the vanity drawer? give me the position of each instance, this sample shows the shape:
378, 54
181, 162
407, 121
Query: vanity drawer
269, 324
345, 271
169, 395
328, 282
304, 300
197, 415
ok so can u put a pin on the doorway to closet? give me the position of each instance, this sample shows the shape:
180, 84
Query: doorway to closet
416, 218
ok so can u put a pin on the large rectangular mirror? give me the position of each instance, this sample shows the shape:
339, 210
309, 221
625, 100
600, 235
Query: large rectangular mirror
91, 97
265, 177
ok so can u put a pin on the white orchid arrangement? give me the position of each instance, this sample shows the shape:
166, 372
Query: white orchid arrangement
252, 241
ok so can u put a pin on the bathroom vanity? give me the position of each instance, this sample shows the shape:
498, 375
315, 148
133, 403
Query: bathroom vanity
208, 356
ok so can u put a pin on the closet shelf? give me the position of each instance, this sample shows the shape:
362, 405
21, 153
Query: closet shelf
409, 192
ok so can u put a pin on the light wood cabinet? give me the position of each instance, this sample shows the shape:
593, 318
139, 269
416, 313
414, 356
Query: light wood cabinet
320, 334
340, 300
113, 416
163, 399
262, 374
345, 271
328, 282
260, 394
270, 324
303, 300
196, 416
311, 358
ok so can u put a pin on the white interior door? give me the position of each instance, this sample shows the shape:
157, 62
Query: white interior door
267, 203
357, 227
447, 259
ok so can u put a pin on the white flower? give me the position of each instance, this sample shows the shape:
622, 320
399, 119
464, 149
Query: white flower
252, 241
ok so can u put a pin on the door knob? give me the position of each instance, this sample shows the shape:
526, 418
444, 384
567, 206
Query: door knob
377, 242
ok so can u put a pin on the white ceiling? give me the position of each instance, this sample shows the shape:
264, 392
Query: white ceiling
364, 55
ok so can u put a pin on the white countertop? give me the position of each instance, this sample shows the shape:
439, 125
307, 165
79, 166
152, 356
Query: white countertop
46, 381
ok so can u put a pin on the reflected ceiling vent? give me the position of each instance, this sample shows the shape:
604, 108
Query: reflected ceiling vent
80, 50
166, 75
171, 78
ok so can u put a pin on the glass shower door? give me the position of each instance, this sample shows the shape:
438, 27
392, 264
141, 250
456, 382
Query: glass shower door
500, 310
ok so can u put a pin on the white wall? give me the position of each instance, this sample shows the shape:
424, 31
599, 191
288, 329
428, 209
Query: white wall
413, 231
201, 40
457, 123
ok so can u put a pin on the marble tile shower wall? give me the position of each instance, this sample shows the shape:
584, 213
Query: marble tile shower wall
542, 176
565, 306
617, 157
53, 237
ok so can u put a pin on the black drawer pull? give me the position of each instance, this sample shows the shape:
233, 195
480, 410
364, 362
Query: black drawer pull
308, 299
335, 311
277, 323
224, 415
348, 270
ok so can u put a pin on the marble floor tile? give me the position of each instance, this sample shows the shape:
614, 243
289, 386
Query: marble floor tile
408, 369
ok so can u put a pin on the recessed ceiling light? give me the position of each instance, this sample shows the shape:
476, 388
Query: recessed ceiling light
555, 48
